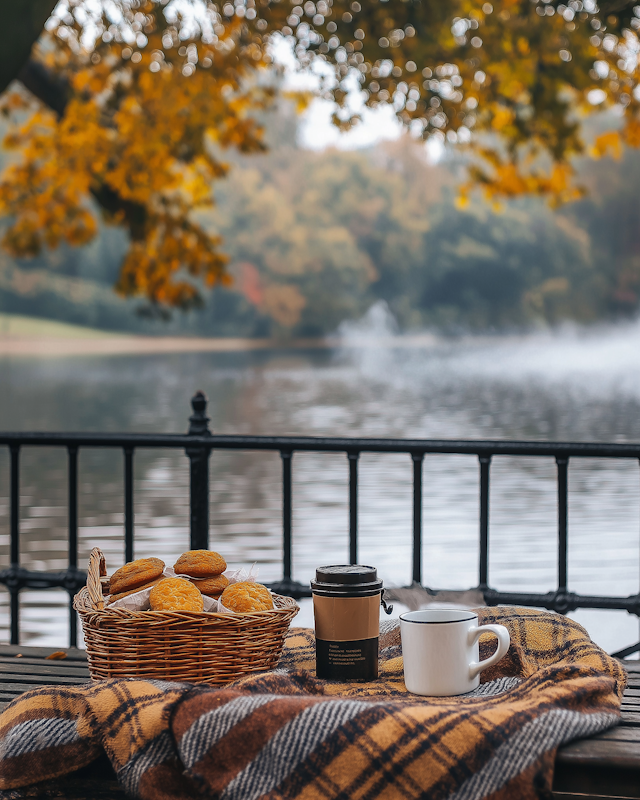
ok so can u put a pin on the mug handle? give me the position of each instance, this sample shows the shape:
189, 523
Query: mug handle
503, 645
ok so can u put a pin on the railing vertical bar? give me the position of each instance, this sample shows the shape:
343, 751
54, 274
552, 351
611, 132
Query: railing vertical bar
418, 458
485, 464
562, 463
72, 451
73, 505
15, 541
199, 475
286, 514
353, 507
128, 504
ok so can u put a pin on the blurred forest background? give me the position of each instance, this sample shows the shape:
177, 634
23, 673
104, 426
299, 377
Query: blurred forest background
130, 123
317, 237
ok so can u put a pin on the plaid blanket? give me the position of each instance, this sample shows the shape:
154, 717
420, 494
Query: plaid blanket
286, 734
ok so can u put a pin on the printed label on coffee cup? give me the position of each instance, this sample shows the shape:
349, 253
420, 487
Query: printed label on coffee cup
344, 661
343, 619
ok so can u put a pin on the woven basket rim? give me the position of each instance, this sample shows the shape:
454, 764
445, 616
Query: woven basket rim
82, 604
89, 600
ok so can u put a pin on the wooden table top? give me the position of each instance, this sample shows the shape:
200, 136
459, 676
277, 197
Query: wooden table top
602, 767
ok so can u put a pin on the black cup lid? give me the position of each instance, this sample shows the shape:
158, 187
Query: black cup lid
346, 573
344, 577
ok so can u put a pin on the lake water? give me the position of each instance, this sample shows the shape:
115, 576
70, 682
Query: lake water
570, 386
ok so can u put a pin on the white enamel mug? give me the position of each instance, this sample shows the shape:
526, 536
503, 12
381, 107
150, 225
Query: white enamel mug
440, 650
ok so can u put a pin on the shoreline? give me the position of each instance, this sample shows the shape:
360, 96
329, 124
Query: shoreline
117, 344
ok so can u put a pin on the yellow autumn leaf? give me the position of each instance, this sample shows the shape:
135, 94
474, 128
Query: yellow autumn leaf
631, 132
608, 144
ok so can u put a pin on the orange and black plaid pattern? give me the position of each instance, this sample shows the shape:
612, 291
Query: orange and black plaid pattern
286, 734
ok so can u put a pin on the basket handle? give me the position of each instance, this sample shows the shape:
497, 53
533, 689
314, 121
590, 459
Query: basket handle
97, 568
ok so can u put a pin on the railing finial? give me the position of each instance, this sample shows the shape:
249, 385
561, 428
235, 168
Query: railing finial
199, 421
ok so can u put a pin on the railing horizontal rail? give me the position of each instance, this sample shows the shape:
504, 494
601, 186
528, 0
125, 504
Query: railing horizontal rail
328, 444
198, 445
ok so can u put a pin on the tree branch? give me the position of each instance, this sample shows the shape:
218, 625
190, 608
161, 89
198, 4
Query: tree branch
615, 7
43, 83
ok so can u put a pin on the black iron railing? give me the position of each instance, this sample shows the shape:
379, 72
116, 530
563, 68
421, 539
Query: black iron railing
198, 445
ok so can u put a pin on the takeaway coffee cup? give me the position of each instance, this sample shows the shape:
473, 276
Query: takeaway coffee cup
440, 650
346, 608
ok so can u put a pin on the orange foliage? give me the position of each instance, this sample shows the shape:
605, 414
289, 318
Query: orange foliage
631, 132
284, 303
152, 98
608, 143
139, 135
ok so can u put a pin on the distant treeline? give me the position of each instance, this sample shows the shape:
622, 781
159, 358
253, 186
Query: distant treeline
317, 238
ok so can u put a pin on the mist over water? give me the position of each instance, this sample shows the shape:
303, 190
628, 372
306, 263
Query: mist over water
549, 385
572, 385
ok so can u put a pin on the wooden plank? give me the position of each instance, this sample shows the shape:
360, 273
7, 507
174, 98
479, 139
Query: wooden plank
603, 752
23, 664
63, 662
631, 717
73, 653
19, 687
573, 796
41, 680
620, 734
40, 667
594, 780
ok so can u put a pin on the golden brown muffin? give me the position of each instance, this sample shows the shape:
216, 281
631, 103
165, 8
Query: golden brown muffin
134, 574
115, 597
212, 587
175, 594
200, 564
246, 596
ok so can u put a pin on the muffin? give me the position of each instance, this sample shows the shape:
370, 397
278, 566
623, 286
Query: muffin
247, 596
175, 594
200, 564
114, 597
135, 574
212, 587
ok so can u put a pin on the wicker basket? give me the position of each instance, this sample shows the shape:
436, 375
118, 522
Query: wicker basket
177, 645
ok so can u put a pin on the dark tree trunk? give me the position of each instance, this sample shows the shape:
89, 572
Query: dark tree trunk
22, 23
